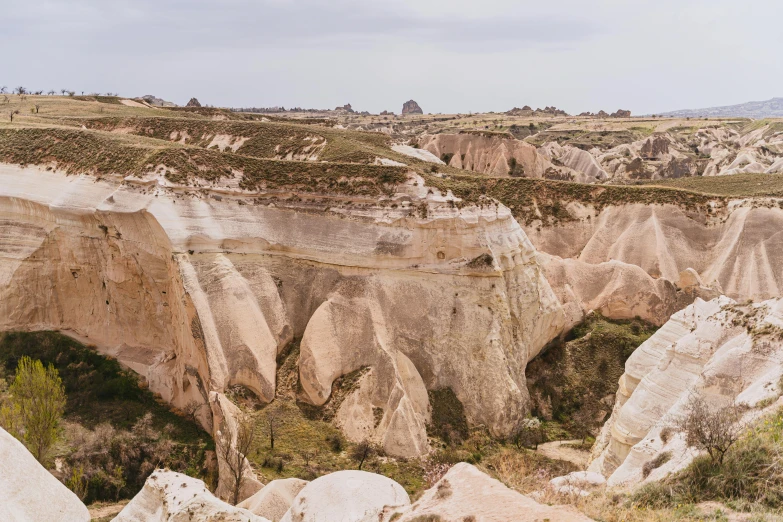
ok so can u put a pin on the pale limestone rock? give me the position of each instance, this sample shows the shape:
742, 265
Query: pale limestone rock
706, 351
274, 499
173, 497
346, 496
487, 154
28, 492
467, 492
580, 483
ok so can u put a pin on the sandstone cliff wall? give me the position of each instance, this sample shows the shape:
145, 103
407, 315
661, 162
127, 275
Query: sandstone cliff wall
199, 291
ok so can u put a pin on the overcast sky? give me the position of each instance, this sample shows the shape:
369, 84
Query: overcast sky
449, 55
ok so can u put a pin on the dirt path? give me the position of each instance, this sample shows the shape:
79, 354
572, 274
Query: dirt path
563, 450
104, 510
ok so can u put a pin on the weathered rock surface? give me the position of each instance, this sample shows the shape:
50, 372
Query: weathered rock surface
411, 107
491, 154
198, 291
347, 496
717, 350
274, 500
629, 260
465, 493
193, 102
28, 492
173, 497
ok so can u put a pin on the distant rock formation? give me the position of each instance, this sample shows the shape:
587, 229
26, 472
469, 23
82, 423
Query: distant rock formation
528, 111
347, 108
157, 102
193, 103
603, 114
411, 107
387, 113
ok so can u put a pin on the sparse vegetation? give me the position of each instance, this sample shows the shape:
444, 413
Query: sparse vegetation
33, 410
115, 432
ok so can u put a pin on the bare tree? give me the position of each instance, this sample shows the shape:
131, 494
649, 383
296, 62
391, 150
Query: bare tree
63, 91
712, 429
51, 92
362, 452
3, 89
272, 424
234, 454
585, 419
20, 90
37, 107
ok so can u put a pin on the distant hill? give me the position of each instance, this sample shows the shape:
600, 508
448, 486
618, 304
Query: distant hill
756, 109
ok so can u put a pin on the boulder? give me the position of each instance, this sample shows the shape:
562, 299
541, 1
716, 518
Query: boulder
411, 107
580, 483
465, 493
274, 499
28, 492
346, 496
173, 497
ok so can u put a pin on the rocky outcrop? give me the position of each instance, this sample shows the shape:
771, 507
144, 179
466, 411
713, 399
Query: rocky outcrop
199, 291
29, 492
274, 500
620, 113
193, 102
488, 153
173, 497
716, 350
351, 496
465, 493
411, 107
596, 258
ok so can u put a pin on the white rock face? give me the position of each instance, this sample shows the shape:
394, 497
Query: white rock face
581, 483
28, 492
421, 154
630, 260
274, 500
466, 492
346, 496
199, 290
717, 350
173, 497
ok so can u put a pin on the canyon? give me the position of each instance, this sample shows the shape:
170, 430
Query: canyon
200, 250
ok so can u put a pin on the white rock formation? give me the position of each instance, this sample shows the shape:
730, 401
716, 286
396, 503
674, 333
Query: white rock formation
594, 262
422, 154
487, 153
466, 492
579, 483
346, 496
198, 290
274, 500
28, 492
173, 497
718, 350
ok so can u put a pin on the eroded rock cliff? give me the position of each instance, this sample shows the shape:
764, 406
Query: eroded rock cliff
199, 290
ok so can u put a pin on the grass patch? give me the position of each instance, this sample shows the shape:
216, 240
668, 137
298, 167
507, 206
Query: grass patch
751, 473
539, 199
737, 185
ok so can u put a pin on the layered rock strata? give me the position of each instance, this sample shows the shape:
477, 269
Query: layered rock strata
200, 290
716, 350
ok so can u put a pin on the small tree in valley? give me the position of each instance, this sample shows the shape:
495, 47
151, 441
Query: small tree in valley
35, 406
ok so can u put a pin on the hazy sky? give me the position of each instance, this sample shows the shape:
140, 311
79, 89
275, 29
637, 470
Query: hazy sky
449, 55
